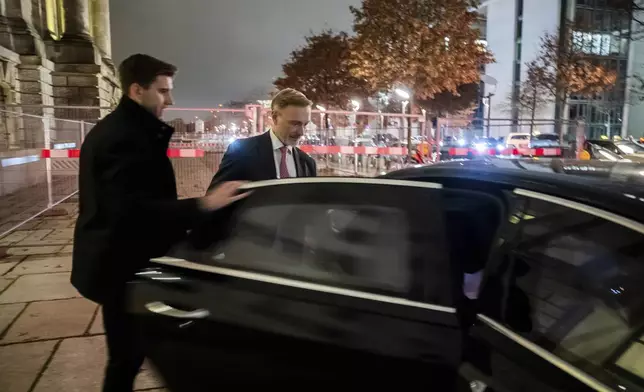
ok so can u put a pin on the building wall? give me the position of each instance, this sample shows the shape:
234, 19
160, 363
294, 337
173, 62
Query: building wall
634, 108
603, 113
514, 31
540, 17
53, 52
499, 32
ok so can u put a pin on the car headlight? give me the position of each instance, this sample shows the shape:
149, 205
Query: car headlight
500, 147
461, 142
480, 147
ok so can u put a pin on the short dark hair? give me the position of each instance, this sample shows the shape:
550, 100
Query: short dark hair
143, 70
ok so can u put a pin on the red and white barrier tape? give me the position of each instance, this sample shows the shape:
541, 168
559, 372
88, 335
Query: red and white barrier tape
309, 149
534, 152
75, 153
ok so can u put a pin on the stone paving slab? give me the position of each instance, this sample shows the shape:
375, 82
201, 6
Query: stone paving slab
51, 320
67, 249
34, 250
56, 223
78, 365
40, 287
14, 237
42, 265
8, 313
97, 325
31, 225
5, 282
20, 364
65, 234
35, 237
6, 267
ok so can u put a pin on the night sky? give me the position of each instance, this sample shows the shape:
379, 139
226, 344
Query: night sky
225, 49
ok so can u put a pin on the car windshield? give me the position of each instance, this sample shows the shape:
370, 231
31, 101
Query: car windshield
519, 137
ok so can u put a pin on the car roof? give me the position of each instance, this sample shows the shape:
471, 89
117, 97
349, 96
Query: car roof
605, 185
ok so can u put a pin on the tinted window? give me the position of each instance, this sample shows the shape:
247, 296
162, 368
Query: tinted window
519, 137
546, 137
576, 286
354, 246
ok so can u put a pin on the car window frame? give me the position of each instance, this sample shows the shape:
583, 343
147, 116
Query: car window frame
424, 275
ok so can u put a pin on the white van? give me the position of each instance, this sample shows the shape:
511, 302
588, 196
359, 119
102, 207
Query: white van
518, 140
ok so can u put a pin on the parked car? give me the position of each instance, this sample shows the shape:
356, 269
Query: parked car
435, 278
626, 149
545, 140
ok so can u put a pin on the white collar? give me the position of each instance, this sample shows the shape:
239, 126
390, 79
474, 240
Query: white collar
277, 143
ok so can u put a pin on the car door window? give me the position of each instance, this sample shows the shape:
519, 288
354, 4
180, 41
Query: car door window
352, 245
379, 238
575, 287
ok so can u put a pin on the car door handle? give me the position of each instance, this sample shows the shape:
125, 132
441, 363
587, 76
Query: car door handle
167, 310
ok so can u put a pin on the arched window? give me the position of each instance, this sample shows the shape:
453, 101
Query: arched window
55, 18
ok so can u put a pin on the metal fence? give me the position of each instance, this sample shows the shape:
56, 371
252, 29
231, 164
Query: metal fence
36, 168
40, 150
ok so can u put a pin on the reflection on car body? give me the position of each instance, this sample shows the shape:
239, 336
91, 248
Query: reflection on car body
364, 281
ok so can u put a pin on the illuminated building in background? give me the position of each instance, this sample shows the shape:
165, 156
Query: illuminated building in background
199, 126
513, 32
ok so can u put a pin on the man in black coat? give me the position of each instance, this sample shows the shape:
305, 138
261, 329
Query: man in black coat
273, 154
129, 212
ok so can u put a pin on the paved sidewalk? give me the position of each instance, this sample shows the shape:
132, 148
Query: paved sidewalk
51, 339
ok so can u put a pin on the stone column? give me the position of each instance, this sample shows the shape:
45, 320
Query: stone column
76, 46
77, 20
101, 28
26, 40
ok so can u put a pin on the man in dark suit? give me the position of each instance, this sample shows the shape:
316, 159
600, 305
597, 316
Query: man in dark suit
273, 154
129, 212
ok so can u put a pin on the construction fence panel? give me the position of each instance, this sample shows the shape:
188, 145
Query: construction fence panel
38, 164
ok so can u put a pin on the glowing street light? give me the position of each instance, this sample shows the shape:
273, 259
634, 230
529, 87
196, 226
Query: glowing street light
320, 108
355, 104
402, 93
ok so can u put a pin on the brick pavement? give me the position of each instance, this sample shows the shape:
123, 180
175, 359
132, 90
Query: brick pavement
51, 339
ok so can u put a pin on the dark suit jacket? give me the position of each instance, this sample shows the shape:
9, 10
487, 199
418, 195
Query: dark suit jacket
128, 204
252, 159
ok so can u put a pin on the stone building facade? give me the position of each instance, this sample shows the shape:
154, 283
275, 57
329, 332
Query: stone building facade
53, 54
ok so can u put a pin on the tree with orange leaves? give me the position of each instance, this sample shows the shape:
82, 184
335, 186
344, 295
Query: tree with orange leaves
427, 46
564, 67
320, 69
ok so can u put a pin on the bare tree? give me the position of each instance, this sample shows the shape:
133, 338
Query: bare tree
564, 67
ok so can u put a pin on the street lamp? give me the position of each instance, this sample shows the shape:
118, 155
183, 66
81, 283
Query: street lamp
490, 88
355, 104
404, 94
322, 109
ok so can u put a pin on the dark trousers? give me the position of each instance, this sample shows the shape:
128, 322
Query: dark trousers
125, 355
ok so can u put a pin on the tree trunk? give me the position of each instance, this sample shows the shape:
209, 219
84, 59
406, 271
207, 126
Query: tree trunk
533, 109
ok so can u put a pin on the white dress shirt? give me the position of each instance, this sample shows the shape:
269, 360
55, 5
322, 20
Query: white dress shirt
277, 154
